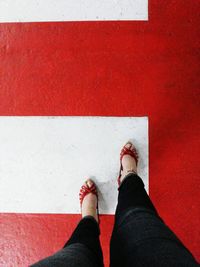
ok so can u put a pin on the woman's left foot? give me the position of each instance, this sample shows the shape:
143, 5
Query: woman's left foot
89, 202
128, 162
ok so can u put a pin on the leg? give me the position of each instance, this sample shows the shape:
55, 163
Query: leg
87, 233
83, 248
140, 237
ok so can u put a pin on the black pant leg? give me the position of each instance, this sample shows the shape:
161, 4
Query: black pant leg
132, 195
87, 232
140, 237
83, 249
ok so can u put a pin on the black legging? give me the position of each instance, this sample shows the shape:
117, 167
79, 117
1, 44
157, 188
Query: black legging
139, 238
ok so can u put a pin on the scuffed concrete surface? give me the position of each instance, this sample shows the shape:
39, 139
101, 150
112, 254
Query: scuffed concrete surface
119, 69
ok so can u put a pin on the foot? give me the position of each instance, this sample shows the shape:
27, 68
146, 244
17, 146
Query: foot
89, 204
128, 163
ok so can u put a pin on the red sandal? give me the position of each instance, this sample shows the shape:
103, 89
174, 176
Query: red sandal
85, 190
127, 151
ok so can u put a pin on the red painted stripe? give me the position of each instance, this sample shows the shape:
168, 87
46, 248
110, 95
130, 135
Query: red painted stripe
114, 68
27, 238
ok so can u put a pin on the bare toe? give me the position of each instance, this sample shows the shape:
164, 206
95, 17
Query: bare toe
128, 145
89, 183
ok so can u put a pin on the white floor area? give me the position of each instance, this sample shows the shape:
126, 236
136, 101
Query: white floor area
44, 160
72, 10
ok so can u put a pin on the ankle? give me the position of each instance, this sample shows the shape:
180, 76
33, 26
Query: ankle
90, 213
126, 172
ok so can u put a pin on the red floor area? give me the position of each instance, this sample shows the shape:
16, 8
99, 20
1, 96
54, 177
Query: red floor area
111, 68
26, 238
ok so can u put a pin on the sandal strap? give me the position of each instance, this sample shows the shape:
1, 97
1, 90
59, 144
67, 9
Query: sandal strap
132, 152
85, 190
127, 151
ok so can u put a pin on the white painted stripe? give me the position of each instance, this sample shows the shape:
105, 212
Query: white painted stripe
72, 10
44, 160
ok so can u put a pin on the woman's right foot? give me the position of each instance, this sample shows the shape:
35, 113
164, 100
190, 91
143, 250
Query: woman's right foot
128, 162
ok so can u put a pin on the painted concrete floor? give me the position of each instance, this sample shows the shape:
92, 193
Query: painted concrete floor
116, 68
